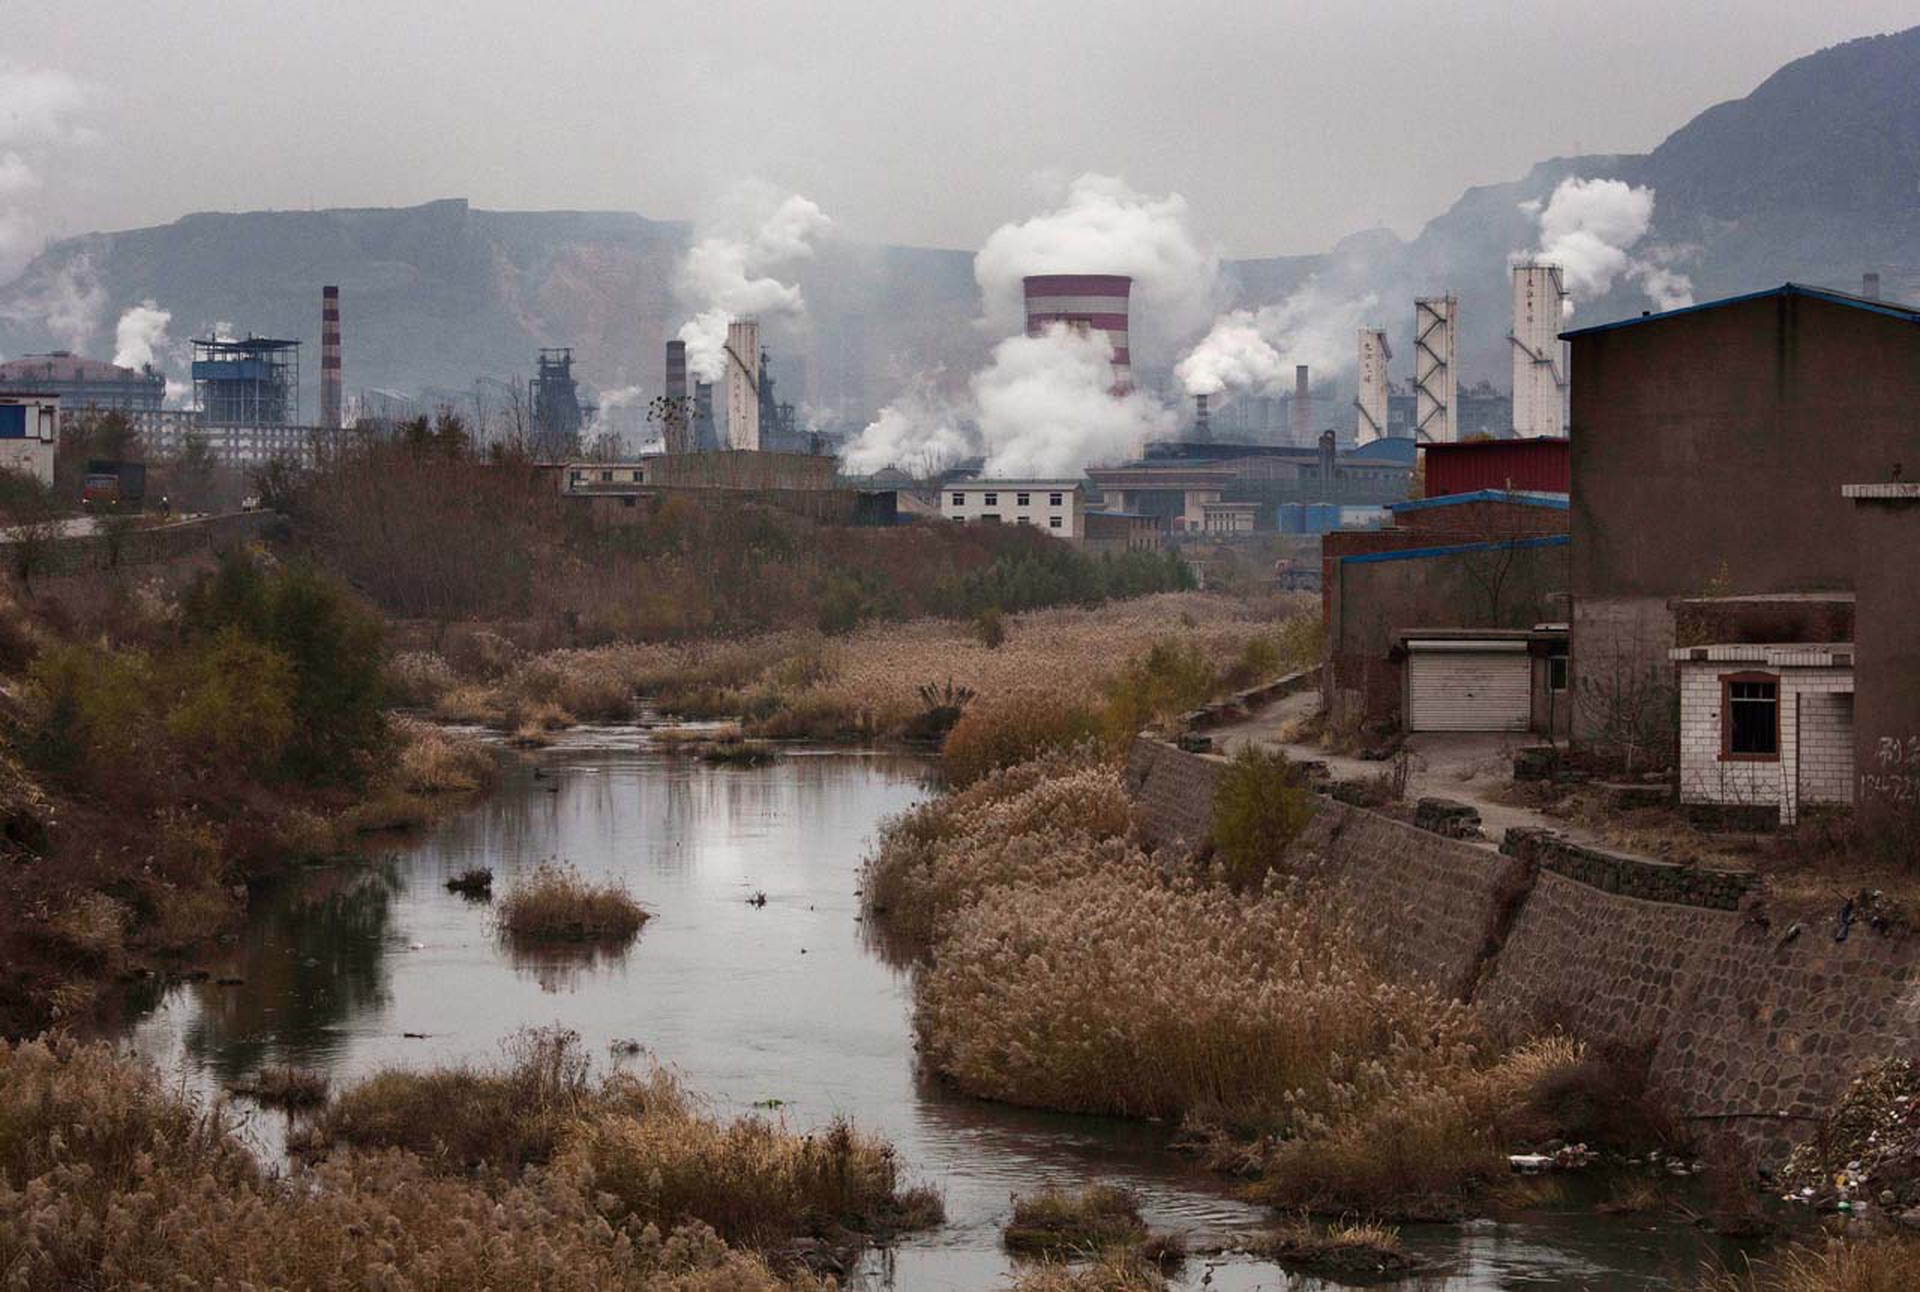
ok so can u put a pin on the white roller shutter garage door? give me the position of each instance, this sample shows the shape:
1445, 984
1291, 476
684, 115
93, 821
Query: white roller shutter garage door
1468, 686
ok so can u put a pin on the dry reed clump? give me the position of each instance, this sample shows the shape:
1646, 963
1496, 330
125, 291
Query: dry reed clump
110, 1179
1054, 1222
285, 1086
650, 1156
554, 901
437, 761
1014, 729
418, 679
1037, 823
1117, 992
1113, 1272
1882, 1262
757, 1184
1346, 1251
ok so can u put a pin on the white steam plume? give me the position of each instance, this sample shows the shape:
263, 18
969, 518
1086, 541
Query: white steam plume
141, 335
39, 112
724, 275
605, 430
1589, 227
1102, 226
1046, 407
68, 302
919, 432
1257, 349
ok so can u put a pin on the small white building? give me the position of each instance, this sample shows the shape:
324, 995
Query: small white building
1765, 725
1057, 506
1228, 517
29, 430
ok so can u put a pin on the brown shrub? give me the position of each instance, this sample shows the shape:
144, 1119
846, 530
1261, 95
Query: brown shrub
993, 735
1114, 1272
435, 761
1056, 1223
553, 901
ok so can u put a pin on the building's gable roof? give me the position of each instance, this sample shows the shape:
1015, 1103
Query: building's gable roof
1892, 309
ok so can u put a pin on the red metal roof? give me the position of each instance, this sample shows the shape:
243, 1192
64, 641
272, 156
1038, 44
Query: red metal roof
1537, 465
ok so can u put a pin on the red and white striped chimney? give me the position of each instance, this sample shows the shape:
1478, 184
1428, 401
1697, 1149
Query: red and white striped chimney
1085, 303
330, 358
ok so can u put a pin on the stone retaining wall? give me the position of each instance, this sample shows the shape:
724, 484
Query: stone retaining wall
1756, 1014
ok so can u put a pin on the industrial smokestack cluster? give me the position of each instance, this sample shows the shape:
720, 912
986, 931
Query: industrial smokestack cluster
1085, 303
1434, 417
743, 384
1539, 371
1302, 405
1371, 403
1202, 427
330, 358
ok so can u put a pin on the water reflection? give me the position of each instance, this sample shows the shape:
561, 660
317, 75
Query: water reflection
354, 968
314, 956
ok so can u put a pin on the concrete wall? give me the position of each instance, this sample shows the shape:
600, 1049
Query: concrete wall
1886, 732
1756, 1015
1709, 449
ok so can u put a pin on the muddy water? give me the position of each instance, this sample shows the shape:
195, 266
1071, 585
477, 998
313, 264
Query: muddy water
783, 1005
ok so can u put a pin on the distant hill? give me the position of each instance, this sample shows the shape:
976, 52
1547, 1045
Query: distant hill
1813, 176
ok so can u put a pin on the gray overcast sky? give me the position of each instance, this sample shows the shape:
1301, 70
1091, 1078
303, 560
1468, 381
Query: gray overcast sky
1286, 125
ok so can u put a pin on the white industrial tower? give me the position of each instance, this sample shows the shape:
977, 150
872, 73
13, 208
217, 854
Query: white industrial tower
1434, 419
1371, 405
1539, 362
743, 384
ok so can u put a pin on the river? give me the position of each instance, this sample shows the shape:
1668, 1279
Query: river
783, 1005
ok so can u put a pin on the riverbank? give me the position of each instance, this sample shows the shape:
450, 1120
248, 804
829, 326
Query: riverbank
165, 745
876, 683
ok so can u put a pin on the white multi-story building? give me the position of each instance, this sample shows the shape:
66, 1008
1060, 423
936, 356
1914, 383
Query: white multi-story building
1056, 506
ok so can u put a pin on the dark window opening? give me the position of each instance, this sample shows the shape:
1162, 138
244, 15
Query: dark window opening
992, 500
1053, 499
1556, 672
959, 500
1753, 719
1022, 500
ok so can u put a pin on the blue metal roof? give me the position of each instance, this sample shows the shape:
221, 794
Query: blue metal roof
1891, 309
1425, 553
1396, 448
1557, 501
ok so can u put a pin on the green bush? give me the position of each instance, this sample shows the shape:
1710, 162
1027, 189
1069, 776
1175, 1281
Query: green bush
992, 627
332, 644
1171, 678
236, 710
1259, 809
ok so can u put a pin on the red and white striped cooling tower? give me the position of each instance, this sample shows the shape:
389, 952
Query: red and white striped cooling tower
1085, 302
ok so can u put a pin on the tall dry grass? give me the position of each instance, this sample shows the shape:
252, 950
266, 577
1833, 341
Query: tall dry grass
1040, 822
553, 901
1070, 969
109, 1178
1881, 1262
1114, 1272
794, 683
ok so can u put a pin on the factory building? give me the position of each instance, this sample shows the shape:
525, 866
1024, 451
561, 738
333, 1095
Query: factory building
1085, 303
255, 382
554, 397
83, 383
1710, 447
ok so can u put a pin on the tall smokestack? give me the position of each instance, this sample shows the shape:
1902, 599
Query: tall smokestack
1870, 286
1539, 373
1085, 303
330, 358
1302, 406
1433, 377
1202, 428
676, 387
743, 384
1370, 406
705, 435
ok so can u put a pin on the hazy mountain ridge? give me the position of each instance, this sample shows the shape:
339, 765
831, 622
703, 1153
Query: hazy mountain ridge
1810, 177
